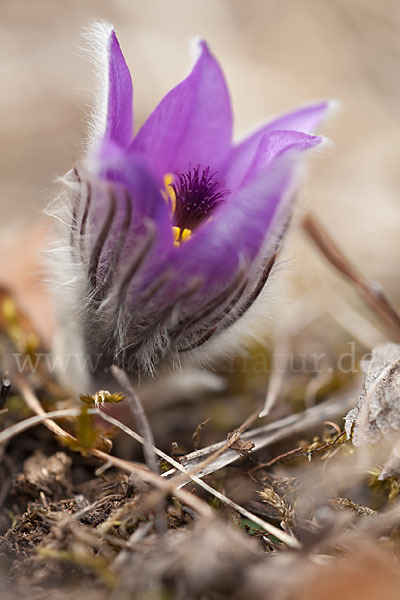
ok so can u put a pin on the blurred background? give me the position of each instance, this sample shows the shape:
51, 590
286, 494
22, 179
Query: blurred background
275, 54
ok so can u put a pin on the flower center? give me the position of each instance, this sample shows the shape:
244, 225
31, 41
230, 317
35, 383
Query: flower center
194, 196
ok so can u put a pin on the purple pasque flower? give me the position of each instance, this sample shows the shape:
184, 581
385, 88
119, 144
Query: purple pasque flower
174, 230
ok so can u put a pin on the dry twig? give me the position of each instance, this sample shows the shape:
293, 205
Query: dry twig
266, 435
167, 487
139, 415
142, 472
371, 292
136, 407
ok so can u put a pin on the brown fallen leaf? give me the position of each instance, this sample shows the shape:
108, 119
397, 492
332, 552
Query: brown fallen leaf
242, 447
377, 414
22, 275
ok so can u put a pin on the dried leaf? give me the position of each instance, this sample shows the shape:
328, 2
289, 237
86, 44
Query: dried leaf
243, 447
377, 414
21, 275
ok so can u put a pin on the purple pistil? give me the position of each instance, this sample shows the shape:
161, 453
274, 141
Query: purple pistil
198, 192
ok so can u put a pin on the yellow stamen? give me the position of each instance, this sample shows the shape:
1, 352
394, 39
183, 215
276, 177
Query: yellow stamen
176, 231
168, 192
186, 234
181, 236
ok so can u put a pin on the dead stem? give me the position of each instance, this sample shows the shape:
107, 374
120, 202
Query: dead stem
234, 437
166, 487
371, 292
277, 376
296, 453
142, 472
266, 435
136, 407
190, 475
277, 459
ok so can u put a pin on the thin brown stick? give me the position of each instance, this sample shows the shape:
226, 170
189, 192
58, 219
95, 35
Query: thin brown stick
277, 375
194, 502
7, 434
296, 453
167, 487
267, 434
371, 292
136, 407
181, 480
278, 459
283, 536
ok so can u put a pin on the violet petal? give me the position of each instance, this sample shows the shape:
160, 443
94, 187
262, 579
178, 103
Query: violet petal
192, 125
236, 232
119, 123
273, 144
305, 119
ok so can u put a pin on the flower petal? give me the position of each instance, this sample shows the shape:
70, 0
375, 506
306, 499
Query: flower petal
127, 211
305, 119
115, 165
192, 125
235, 234
119, 120
273, 144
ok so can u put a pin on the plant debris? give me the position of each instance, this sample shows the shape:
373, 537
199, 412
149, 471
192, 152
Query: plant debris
261, 512
377, 415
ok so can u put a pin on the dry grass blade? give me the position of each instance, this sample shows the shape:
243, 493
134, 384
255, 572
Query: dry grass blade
277, 377
140, 471
190, 475
26, 424
371, 292
136, 408
138, 413
218, 452
166, 487
267, 435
